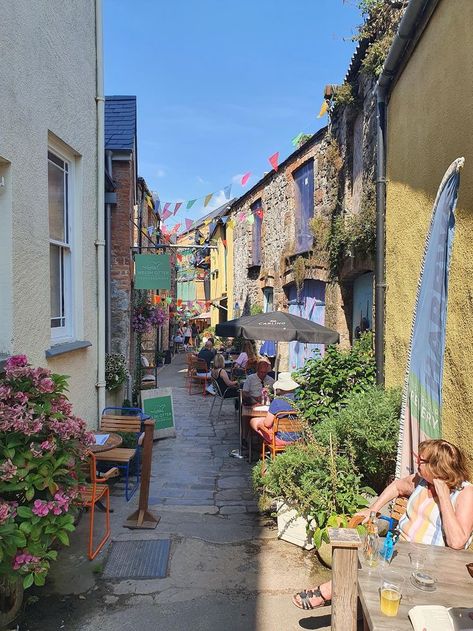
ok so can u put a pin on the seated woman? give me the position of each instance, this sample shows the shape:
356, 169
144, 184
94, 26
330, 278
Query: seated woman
227, 387
439, 510
246, 355
284, 388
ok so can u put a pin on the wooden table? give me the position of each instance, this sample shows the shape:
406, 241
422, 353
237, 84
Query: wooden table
113, 440
454, 587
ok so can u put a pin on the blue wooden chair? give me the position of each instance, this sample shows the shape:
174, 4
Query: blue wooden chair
128, 420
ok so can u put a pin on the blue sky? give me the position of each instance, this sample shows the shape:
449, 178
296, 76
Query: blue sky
222, 85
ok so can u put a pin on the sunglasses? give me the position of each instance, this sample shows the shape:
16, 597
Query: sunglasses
418, 459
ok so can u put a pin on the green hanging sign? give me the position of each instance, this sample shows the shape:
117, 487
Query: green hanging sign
158, 405
152, 271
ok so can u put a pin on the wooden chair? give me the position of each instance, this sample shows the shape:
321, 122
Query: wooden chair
398, 508
286, 421
123, 456
93, 492
200, 375
191, 361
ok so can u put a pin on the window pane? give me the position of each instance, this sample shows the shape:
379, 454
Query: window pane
57, 202
256, 234
57, 285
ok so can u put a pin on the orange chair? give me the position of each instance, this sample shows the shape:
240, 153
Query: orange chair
191, 361
201, 375
94, 492
283, 422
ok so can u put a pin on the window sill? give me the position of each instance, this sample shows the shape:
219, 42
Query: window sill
66, 347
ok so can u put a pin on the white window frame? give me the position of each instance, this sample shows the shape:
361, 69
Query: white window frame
65, 332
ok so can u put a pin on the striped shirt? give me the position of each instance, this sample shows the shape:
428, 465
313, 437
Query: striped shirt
422, 521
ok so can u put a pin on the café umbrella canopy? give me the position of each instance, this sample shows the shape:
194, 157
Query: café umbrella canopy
278, 326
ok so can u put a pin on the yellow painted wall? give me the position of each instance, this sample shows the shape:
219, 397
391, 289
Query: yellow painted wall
430, 123
221, 271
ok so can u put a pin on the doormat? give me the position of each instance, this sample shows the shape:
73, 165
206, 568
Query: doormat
138, 559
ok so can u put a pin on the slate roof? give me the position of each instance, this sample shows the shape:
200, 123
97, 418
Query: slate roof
120, 122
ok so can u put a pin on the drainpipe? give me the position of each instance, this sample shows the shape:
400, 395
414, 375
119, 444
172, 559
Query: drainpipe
100, 241
416, 14
380, 278
108, 259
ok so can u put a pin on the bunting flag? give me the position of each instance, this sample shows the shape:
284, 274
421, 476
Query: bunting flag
224, 241
224, 220
179, 257
207, 199
227, 191
323, 109
250, 219
176, 207
156, 299
166, 207
150, 230
421, 414
259, 213
175, 228
245, 178
168, 300
273, 160
157, 206
166, 214
231, 223
189, 223
241, 216
296, 140
190, 203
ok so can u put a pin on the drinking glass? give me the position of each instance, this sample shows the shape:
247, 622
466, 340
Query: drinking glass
417, 560
390, 592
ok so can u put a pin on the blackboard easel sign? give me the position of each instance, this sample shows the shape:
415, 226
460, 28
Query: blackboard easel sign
158, 405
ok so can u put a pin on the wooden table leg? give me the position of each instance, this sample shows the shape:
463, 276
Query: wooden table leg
345, 543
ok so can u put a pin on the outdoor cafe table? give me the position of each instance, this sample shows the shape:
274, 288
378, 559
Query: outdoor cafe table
454, 587
113, 440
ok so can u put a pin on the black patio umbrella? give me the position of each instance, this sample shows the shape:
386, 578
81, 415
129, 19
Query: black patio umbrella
278, 326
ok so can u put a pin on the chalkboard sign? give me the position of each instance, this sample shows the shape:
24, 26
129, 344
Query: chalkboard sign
158, 405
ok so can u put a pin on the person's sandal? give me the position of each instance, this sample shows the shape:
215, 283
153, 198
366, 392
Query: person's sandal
305, 597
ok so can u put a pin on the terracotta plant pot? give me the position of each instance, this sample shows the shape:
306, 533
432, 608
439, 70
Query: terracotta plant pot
11, 599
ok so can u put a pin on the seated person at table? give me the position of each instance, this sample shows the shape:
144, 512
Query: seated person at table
439, 510
207, 353
255, 383
284, 388
227, 387
246, 355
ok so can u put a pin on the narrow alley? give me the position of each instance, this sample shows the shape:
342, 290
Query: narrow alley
227, 569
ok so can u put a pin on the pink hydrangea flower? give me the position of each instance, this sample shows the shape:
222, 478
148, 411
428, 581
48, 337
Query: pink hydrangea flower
46, 385
7, 470
41, 508
16, 361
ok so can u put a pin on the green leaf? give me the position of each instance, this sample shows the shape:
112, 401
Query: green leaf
29, 494
24, 511
63, 537
39, 579
28, 581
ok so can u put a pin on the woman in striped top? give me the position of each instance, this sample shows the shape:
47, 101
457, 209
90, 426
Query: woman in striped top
439, 510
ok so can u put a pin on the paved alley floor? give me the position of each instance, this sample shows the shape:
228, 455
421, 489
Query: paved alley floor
227, 569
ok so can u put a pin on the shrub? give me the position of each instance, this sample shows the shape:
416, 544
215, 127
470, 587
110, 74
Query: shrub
115, 370
327, 382
367, 428
323, 486
42, 445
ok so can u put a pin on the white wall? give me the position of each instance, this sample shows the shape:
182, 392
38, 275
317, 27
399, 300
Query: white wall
47, 79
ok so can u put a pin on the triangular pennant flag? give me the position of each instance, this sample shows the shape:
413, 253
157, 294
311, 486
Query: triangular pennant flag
150, 230
323, 109
166, 206
227, 191
157, 207
189, 223
250, 219
259, 213
296, 140
224, 220
166, 214
207, 199
175, 228
273, 160
245, 178
224, 241
176, 207
179, 257
241, 216
231, 223
190, 203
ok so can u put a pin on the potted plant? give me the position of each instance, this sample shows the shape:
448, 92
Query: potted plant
321, 486
42, 447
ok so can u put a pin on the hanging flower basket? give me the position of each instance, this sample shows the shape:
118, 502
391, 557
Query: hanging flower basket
115, 370
147, 316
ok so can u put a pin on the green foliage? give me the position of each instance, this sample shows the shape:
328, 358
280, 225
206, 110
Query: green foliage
343, 95
129, 439
327, 382
256, 309
376, 54
367, 428
323, 486
115, 370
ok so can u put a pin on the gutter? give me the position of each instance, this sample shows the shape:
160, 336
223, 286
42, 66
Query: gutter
108, 259
100, 241
413, 22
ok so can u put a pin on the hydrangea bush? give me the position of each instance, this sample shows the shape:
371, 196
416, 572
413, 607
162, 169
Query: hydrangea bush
42, 451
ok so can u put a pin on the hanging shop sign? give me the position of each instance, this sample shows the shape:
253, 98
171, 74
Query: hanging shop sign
152, 271
158, 405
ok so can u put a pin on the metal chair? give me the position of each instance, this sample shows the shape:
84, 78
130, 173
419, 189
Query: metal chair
92, 493
220, 395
